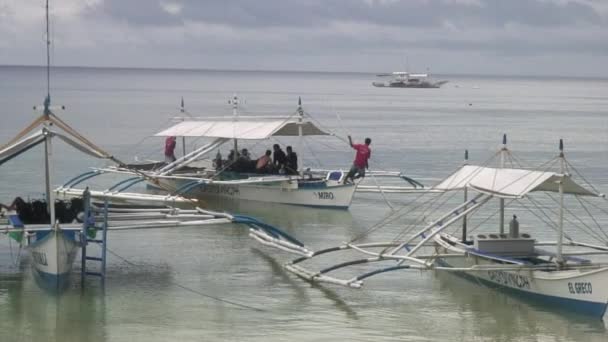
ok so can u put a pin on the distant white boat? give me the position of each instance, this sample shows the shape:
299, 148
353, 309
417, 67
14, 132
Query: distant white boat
404, 79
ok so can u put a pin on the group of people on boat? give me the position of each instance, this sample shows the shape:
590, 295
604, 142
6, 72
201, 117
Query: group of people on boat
276, 161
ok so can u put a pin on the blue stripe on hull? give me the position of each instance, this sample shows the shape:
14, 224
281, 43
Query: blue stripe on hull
565, 304
53, 283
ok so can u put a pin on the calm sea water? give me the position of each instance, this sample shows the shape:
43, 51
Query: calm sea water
215, 283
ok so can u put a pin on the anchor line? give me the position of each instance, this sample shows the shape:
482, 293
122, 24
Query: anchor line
202, 294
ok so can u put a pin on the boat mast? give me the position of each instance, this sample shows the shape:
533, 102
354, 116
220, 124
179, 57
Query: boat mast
560, 236
464, 218
235, 106
503, 152
48, 148
182, 110
300, 135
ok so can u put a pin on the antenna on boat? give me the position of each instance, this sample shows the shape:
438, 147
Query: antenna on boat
235, 114
300, 110
47, 101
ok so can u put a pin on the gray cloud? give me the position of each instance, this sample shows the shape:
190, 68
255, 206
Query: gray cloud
360, 35
404, 13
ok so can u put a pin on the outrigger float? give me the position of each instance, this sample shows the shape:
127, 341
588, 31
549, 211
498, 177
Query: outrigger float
567, 273
54, 250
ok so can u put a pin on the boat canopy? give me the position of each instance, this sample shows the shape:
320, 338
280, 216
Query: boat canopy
510, 183
13, 150
248, 129
22, 145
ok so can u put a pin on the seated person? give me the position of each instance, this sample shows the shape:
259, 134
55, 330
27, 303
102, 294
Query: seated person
291, 163
264, 163
279, 157
245, 155
231, 156
218, 161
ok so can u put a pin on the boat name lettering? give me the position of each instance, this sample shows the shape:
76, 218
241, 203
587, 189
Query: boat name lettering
39, 258
325, 195
580, 288
509, 279
221, 189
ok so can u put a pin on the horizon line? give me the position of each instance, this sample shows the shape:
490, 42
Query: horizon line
295, 71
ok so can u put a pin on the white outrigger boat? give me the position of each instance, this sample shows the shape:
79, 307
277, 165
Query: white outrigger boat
54, 245
567, 273
204, 182
404, 79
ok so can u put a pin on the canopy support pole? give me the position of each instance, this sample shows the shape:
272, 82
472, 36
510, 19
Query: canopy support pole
560, 236
300, 117
235, 114
48, 152
464, 218
503, 151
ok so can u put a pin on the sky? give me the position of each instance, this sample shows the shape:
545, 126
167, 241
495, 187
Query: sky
497, 37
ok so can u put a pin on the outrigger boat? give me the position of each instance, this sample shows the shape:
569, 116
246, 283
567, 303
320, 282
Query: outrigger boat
53, 248
54, 245
567, 273
404, 79
198, 175
189, 177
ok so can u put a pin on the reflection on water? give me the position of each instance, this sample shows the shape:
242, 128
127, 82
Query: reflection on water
30, 314
487, 312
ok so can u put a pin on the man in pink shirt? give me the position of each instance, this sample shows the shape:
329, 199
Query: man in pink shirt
361, 160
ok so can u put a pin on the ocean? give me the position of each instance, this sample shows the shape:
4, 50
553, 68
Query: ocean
217, 284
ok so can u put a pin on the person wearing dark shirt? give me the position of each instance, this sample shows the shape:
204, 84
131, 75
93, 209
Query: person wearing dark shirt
291, 163
278, 158
245, 155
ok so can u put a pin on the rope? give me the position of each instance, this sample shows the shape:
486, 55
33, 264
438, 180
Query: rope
202, 294
591, 216
587, 229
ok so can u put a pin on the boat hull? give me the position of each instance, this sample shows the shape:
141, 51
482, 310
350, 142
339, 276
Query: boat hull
424, 85
53, 254
323, 195
580, 291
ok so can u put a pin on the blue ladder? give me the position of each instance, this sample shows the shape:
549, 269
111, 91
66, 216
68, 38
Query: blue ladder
89, 222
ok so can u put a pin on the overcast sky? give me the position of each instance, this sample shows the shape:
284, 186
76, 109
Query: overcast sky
541, 37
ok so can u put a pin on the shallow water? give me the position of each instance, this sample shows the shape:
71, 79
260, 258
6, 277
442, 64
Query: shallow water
215, 283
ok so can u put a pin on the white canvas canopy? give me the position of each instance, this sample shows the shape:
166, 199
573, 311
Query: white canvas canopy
12, 150
507, 182
247, 129
16, 148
